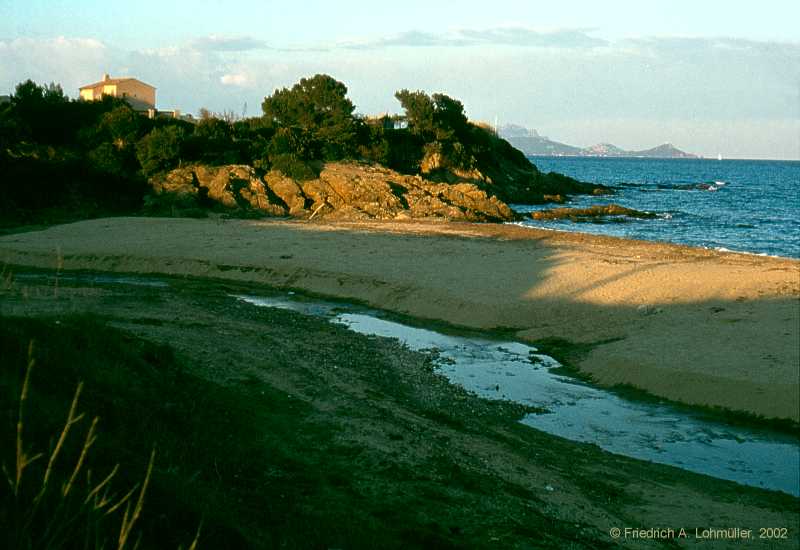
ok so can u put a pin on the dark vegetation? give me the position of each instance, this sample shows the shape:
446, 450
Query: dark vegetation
63, 159
144, 401
217, 468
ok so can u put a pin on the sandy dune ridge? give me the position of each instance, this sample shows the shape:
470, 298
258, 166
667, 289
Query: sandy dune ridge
688, 324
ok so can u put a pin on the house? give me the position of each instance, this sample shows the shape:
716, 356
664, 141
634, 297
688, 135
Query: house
140, 96
175, 113
386, 121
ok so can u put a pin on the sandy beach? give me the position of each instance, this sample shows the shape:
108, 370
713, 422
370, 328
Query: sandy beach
691, 325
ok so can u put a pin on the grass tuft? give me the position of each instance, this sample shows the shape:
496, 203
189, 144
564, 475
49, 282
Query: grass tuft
52, 514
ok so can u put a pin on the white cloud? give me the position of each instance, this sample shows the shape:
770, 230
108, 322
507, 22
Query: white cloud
227, 43
69, 61
88, 43
238, 79
557, 81
499, 36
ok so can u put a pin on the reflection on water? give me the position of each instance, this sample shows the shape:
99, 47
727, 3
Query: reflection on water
92, 278
580, 412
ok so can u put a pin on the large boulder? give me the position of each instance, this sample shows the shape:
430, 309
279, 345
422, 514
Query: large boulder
287, 191
361, 191
232, 186
596, 214
238, 186
353, 190
462, 201
180, 182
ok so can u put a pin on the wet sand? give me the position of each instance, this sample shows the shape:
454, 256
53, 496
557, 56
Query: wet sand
691, 325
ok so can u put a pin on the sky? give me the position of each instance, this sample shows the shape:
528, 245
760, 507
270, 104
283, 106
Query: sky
710, 77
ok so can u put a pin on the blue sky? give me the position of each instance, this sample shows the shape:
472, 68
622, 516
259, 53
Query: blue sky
708, 76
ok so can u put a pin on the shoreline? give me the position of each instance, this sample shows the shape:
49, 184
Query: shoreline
561, 351
720, 249
691, 325
699, 157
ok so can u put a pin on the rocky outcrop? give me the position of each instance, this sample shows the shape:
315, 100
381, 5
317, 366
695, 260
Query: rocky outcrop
289, 192
358, 191
596, 214
506, 173
342, 191
233, 186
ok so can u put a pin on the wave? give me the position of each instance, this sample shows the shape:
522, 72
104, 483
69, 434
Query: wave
712, 186
702, 186
745, 252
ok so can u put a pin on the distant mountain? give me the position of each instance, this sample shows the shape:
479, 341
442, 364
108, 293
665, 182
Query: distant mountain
531, 143
665, 151
515, 131
604, 150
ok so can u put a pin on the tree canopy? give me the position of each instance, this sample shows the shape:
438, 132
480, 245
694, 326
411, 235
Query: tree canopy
160, 149
433, 118
319, 108
441, 128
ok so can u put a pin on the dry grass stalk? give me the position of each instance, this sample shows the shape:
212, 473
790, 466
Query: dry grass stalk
61, 521
22, 458
129, 519
94, 493
97, 500
196, 540
71, 419
90, 439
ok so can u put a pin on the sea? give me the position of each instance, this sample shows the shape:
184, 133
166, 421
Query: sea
748, 206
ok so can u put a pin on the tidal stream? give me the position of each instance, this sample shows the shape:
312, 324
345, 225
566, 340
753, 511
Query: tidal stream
495, 369
578, 411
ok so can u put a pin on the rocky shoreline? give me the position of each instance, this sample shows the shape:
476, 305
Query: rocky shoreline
348, 191
593, 214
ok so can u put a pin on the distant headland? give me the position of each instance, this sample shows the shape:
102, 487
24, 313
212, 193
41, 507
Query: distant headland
531, 143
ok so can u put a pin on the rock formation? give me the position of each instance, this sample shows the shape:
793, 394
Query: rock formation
504, 172
597, 214
343, 190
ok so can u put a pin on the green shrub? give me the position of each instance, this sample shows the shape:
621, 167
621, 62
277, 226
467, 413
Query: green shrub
319, 108
160, 149
293, 167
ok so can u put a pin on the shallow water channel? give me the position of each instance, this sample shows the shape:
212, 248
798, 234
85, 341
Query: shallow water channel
497, 369
646, 430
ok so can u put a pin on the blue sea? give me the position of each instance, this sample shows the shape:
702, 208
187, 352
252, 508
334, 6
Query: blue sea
739, 205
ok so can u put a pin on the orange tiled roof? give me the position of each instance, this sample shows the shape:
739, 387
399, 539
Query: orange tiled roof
114, 81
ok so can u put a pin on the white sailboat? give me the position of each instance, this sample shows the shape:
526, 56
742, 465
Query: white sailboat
719, 156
